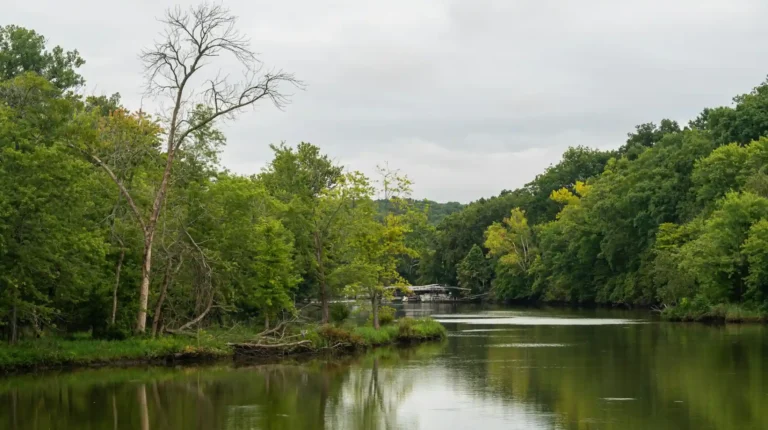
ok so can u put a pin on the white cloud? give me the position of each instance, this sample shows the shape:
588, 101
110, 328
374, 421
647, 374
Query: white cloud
468, 97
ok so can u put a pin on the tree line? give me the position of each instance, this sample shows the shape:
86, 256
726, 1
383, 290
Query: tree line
676, 218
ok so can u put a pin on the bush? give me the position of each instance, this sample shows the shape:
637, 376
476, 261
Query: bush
409, 329
334, 335
339, 312
386, 315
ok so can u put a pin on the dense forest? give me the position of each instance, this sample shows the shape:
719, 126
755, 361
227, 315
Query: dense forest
118, 221
676, 218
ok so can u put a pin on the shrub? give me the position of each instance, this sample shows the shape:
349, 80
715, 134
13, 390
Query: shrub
335, 335
339, 312
386, 315
409, 329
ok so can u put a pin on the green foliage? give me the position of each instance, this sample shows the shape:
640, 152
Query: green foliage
746, 121
646, 136
578, 164
23, 51
410, 329
330, 335
386, 315
459, 232
340, 312
436, 212
475, 271
675, 217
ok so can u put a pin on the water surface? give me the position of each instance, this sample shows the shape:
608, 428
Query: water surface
498, 369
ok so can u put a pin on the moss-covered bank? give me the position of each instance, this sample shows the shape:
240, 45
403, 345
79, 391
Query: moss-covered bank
208, 346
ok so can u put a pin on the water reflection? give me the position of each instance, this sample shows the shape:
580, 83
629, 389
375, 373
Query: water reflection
569, 377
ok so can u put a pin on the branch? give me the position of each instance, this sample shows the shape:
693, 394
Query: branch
199, 317
123, 190
226, 99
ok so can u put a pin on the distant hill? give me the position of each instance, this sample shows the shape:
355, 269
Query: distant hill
437, 211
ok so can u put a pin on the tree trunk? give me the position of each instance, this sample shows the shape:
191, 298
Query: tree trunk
117, 284
146, 270
321, 278
157, 316
266, 321
149, 231
375, 309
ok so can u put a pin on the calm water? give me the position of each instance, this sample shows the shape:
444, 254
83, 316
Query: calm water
500, 369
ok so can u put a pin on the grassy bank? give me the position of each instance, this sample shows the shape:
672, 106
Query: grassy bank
405, 330
722, 313
206, 345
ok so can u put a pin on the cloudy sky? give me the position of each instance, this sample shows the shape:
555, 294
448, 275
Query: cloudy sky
468, 97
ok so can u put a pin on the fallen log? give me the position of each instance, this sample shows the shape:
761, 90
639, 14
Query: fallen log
271, 348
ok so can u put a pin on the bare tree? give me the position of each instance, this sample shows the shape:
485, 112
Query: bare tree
194, 38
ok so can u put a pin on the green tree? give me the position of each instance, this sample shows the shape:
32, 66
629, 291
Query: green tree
51, 245
475, 271
645, 136
301, 178
512, 243
377, 246
192, 39
755, 249
746, 121
23, 51
249, 248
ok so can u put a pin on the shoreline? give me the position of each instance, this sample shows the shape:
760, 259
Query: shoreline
58, 354
709, 314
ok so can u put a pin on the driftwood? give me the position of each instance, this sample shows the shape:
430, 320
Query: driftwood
271, 348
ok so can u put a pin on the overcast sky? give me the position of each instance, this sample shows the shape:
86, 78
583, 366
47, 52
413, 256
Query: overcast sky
468, 97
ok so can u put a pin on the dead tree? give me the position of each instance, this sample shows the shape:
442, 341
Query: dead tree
192, 40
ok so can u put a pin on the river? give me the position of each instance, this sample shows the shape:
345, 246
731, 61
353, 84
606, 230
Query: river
498, 369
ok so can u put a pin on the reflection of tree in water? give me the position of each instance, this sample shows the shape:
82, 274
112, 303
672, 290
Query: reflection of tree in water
679, 376
359, 393
372, 395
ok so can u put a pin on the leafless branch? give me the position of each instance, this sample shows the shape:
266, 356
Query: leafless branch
193, 38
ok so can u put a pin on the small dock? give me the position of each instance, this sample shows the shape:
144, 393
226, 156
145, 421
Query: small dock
430, 293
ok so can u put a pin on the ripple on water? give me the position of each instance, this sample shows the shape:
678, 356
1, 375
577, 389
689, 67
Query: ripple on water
528, 345
479, 319
484, 330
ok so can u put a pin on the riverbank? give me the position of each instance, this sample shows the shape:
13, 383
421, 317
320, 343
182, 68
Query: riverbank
722, 313
684, 312
212, 345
